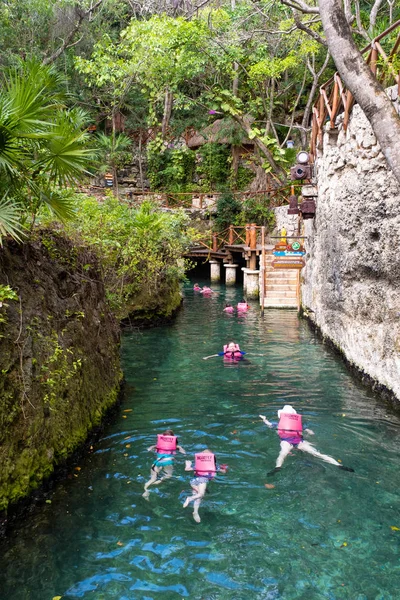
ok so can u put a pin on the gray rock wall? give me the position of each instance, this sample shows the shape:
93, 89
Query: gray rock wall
352, 276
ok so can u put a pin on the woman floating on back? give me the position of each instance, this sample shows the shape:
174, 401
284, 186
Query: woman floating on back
231, 353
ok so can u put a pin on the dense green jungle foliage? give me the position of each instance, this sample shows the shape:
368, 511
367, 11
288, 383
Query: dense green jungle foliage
139, 249
159, 72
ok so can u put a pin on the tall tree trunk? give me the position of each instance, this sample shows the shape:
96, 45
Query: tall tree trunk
167, 112
359, 79
140, 162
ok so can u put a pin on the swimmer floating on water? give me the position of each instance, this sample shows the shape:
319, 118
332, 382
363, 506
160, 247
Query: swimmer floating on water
242, 306
290, 431
231, 352
166, 447
229, 308
205, 469
196, 287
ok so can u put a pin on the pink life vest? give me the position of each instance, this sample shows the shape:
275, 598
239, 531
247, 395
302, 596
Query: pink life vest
205, 464
206, 290
166, 444
236, 353
242, 306
229, 309
289, 423
196, 288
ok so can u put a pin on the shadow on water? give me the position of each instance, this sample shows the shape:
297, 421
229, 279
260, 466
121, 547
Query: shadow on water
317, 532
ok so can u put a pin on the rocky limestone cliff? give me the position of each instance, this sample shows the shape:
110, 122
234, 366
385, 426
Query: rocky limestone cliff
59, 358
352, 277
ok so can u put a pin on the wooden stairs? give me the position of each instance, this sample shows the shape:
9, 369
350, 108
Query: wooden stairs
282, 286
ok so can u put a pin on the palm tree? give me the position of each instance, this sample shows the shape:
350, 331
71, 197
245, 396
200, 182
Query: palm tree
42, 146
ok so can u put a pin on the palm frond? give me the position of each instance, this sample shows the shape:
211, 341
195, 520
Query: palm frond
10, 220
61, 205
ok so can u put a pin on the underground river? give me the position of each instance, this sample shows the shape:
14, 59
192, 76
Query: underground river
319, 533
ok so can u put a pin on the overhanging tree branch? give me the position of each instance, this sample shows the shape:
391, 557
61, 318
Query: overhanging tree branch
67, 43
361, 82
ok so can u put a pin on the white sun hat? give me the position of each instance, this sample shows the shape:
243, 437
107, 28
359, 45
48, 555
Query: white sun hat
287, 410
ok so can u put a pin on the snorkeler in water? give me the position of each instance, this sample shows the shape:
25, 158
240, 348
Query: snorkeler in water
205, 469
290, 431
166, 447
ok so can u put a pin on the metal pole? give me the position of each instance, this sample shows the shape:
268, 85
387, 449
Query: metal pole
262, 269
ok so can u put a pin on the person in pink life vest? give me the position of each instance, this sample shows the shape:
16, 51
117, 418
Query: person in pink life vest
290, 431
166, 447
205, 469
196, 287
243, 306
207, 291
229, 308
232, 351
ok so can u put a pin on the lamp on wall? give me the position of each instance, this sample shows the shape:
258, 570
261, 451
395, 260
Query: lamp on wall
302, 170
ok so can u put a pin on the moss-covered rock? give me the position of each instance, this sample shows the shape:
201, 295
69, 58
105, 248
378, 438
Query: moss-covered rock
59, 358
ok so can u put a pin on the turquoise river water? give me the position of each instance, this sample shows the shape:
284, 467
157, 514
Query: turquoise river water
319, 533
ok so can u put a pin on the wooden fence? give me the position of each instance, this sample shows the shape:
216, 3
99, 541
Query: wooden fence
335, 98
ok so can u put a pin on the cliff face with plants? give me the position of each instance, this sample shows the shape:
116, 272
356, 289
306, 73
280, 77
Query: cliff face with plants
352, 274
59, 358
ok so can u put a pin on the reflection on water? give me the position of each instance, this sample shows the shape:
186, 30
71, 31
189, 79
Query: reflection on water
319, 533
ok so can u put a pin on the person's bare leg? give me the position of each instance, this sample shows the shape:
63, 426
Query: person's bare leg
168, 471
199, 490
285, 449
153, 478
307, 447
196, 505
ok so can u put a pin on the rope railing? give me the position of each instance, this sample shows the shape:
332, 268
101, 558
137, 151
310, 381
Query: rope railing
334, 96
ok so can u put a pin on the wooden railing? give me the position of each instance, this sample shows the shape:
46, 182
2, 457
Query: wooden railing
334, 97
203, 200
249, 236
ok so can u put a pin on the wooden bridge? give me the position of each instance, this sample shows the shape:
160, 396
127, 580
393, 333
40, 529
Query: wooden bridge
276, 281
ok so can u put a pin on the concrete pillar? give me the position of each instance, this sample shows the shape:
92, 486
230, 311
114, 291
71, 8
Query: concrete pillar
215, 270
230, 274
244, 269
252, 278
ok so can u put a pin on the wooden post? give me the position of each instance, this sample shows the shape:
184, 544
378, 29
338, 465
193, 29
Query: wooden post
253, 236
247, 235
298, 289
262, 269
230, 239
374, 58
201, 200
214, 242
253, 246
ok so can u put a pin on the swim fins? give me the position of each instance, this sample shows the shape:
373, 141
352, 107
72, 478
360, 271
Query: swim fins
274, 471
346, 468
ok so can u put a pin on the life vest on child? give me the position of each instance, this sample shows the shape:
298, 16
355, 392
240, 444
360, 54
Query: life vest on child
166, 444
290, 423
229, 309
242, 306
196, 288
205, 464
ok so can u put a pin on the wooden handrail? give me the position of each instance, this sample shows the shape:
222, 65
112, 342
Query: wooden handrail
333, 94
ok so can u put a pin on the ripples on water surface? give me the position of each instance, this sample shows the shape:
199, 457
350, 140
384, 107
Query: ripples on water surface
320, 533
